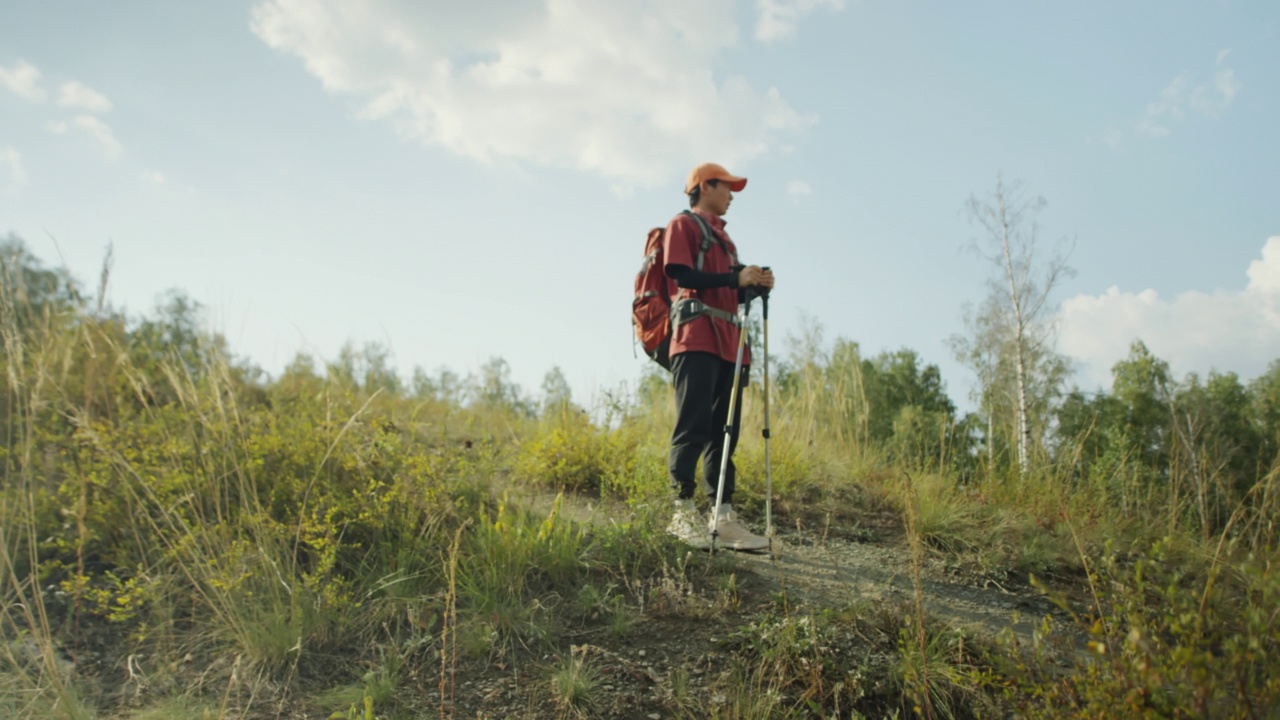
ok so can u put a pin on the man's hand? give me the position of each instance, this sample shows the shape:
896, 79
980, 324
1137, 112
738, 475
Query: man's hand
754, 275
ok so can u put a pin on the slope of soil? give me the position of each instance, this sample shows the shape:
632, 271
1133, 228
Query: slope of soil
673, 658
673, 662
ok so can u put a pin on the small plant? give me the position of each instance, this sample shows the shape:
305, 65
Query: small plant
621, 617
593, 600
941, 660
605, 605
380, 682
672, 594
575, 683
679, 690
749, 695
354, 713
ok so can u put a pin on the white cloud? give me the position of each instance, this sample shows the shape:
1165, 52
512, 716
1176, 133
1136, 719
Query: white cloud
23, 79
798, 189
156, 177
11, 163
1225, 82
1230, 330
94, 128
778, 18
623, 89
76, 95
1186, 94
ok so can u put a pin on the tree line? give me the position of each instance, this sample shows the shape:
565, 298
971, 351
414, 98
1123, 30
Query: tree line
1214, 437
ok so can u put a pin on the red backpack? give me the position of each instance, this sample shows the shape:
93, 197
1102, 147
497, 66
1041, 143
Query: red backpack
651, 309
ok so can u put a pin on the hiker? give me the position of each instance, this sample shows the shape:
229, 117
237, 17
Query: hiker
703, 351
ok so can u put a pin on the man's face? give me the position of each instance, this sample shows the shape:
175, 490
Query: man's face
717, 198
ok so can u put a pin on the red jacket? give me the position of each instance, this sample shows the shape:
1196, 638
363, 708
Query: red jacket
680, 246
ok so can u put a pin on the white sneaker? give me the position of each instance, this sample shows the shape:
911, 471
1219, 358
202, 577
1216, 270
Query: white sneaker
732, 534
687, 525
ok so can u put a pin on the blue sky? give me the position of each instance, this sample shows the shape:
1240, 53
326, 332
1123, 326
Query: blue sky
459, 181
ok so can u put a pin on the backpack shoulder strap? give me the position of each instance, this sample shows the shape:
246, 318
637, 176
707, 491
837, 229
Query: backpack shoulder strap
707, 237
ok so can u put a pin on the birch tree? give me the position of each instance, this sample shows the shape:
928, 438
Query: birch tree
1015, 326
982, 350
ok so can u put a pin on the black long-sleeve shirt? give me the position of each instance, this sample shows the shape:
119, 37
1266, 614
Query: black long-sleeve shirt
687, 277
691, 279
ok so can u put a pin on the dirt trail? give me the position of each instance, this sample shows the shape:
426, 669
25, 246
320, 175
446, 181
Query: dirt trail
641, 671
838, 572
819, 571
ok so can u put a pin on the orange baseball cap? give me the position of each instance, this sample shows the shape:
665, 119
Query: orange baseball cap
712, 171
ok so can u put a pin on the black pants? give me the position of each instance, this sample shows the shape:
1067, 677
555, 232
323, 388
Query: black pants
702, 382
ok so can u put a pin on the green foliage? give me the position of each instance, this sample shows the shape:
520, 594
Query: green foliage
510, 566
945, 516
568, 452
493, 389
369, 369
891, 405
1171, 643
853, 400
1264, 409
38, 292
26, 692
786, 658
800, 477
207, 514
607, 604
338, 522
862, 661
1188, 454
445, 390
556, 394
1142, 385
895, 381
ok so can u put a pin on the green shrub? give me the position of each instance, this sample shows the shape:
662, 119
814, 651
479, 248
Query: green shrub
569, 453
1168, 643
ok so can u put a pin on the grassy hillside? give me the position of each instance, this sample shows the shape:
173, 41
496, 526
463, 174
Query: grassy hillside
181, 537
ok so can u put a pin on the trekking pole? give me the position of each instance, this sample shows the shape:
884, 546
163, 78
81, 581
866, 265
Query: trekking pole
728, 425
768, 474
